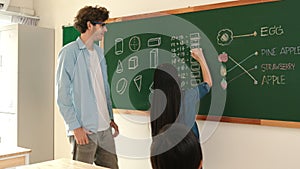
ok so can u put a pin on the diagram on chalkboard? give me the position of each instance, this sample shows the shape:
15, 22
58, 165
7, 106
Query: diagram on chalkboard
136, 58
187, 67
195, 74
151, 87
119, 46
154, 58
194, 65
134, 43
138, 82
225, 36
133, 62
195, 40
154, 42
121, 86
223, 57
119, 67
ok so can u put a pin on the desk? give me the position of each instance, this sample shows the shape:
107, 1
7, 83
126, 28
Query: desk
61, 164
13, 156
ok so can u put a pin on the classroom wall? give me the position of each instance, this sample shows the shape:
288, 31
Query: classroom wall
22, 3
229, 146
21, 6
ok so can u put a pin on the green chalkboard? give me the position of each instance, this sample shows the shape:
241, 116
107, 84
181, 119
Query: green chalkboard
69, 34
257, 77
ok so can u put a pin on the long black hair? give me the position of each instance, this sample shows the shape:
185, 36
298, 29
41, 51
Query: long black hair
175, 147
166, 100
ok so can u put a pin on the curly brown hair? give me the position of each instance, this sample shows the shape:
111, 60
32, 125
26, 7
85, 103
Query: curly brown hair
89, 13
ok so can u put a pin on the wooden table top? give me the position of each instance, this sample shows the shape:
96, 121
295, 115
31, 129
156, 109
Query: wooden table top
61, 164
8, 151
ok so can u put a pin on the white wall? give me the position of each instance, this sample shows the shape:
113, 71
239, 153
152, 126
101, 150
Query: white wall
21, 6
22, 3
235, 146
231, 146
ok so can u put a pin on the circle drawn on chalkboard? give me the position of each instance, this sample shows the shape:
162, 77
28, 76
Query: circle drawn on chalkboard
135, 43
225, 37
121, 85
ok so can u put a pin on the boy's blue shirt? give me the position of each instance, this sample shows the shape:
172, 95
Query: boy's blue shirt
75, 94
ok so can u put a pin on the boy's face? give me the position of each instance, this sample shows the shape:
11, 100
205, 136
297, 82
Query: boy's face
98, 31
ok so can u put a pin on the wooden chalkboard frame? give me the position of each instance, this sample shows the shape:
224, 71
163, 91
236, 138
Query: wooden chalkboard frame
264, 122
189, 9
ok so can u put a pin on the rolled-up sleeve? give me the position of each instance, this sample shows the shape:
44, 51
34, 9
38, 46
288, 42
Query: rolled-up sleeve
203, 89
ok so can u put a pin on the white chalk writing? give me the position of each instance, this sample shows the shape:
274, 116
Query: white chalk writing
277, 66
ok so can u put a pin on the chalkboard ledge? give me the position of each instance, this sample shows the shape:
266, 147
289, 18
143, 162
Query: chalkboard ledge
262, 122
132, 112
